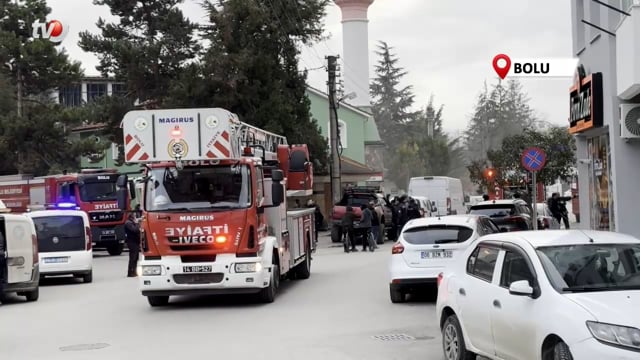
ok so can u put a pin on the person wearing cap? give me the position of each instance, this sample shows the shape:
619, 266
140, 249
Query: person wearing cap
132, 232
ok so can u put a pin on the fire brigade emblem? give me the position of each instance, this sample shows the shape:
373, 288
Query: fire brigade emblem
178, 148
141, 123
211, 121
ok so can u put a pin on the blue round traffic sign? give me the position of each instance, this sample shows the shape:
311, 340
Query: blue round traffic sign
533, 159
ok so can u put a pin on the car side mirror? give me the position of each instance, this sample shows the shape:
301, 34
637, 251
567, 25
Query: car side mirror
122, 195
132, 189
277, 176
122, 181
521, 288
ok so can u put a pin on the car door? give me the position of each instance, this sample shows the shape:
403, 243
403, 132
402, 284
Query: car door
20, 249
513, 317
474, 296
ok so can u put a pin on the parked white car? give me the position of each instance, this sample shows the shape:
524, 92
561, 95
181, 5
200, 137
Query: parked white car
64, 243
556, 294
427, 246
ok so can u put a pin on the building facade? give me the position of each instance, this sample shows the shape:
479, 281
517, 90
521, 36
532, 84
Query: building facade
605, 113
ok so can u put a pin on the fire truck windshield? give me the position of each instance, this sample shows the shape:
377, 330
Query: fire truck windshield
199, 188
98, 191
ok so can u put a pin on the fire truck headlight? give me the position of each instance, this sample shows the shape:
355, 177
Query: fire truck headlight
248, 267
151, 270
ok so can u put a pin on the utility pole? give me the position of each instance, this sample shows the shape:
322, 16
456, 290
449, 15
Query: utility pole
336, 183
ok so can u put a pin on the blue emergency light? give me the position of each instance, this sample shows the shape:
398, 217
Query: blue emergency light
67, 205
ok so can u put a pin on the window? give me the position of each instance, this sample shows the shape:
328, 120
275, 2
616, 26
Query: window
594, 18
98, 191
259, 185
70, 96
342, 131
493, 210
68, 230
437, 234
118, 89
515, 268
482, 262
95, 91
217, 187
487, 226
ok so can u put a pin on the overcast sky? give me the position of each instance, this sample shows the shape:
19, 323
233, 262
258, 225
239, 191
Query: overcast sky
446, 46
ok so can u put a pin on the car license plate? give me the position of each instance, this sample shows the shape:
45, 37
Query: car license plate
197, 269
56, 260
436, 254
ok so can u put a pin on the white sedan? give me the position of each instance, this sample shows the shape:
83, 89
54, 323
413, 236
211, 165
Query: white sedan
556, 294
427, 246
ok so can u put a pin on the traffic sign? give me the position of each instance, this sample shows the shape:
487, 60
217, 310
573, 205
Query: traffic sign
533, 159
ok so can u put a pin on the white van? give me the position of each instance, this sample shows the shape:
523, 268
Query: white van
446, 192
19, 239
64, 243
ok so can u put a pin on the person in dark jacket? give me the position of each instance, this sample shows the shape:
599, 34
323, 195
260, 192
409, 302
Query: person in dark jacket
558, 208
403, 215
485, 197
375, 225
365, 226
132, 231
413, 210
348, 231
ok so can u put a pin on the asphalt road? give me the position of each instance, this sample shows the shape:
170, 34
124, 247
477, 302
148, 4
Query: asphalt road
342, 312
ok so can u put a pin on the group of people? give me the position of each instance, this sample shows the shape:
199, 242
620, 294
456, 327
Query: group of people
404, 209
368, 227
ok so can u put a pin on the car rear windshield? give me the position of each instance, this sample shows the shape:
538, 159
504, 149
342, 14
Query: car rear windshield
60, 226
437, 234
493, 210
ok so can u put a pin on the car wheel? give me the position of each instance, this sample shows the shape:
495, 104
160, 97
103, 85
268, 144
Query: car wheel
115, 249
396, 295
87, 278
33, 295
336, 234
158, 300
453, 343
268, 294
561, 352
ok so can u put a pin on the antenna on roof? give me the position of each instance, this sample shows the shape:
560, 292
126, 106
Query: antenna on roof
588, 237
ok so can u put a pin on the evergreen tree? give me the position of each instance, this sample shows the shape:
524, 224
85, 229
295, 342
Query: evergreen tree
34, 131
258, 77
147, 49
499, 113
392, 103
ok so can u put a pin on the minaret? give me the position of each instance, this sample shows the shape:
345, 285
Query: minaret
355, 44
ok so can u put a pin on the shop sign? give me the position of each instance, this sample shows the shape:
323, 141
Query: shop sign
585, 96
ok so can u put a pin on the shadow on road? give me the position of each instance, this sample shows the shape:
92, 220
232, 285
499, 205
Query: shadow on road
60, 280
226, 301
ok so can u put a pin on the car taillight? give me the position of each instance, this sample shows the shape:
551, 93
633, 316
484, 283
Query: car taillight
87, 236
34, 244
397, 248
440, 276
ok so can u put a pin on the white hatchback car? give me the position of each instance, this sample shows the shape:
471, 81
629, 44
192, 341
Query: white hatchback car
64, 243
556, 294
427, 246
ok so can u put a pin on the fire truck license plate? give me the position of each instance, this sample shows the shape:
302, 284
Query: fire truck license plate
197, 269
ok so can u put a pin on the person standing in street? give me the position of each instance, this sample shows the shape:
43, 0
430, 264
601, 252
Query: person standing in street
365, 226
132, 231
375, 225
347, 230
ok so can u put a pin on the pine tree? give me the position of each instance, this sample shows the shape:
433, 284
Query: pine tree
499, 113
252, 66
34, 131
392, 103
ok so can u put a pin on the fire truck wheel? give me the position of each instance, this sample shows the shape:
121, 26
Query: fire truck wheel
116, 249
303, 270
268, 294
158, 300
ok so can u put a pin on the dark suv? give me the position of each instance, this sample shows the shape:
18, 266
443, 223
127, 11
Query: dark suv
508, 215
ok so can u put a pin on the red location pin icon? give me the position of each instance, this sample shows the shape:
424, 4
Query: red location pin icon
504, 70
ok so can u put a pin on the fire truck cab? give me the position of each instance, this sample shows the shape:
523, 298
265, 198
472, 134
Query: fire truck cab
215, 219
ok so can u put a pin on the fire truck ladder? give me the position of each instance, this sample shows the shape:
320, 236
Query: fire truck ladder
251, 136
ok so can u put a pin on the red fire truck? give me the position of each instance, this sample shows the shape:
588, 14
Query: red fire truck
92, 191
215, 217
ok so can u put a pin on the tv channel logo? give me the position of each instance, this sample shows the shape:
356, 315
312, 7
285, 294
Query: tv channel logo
53, 30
